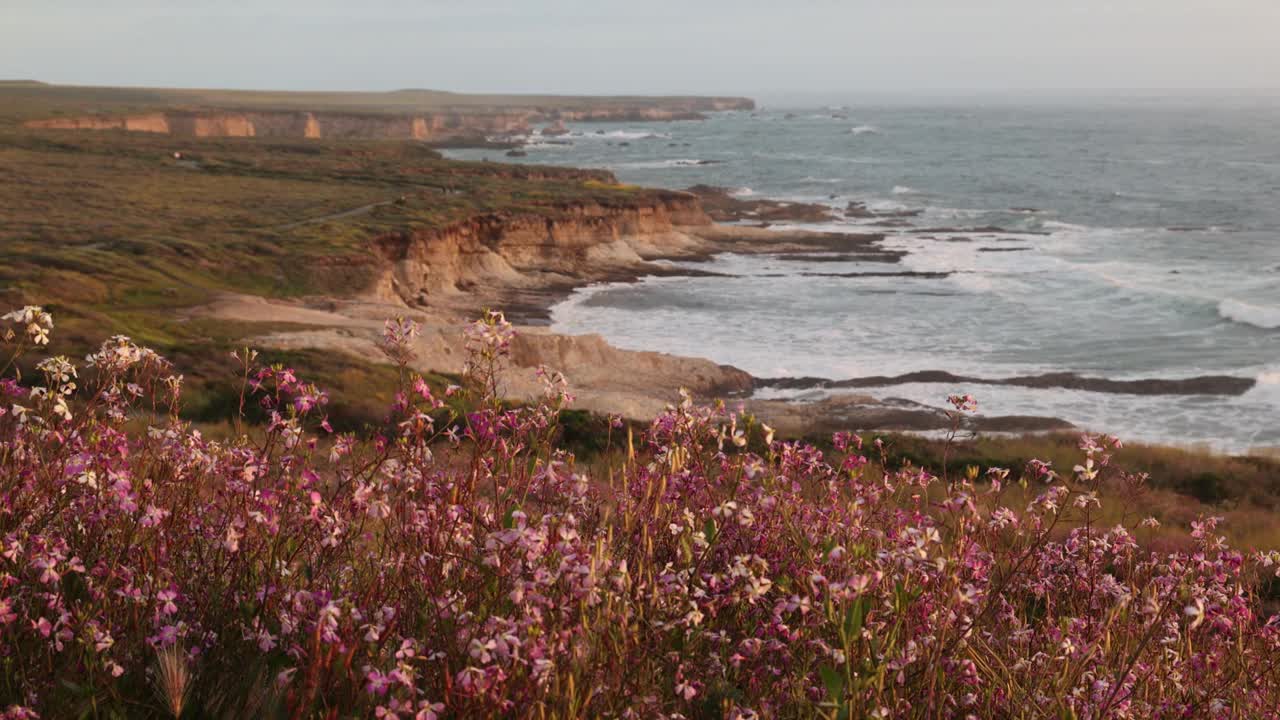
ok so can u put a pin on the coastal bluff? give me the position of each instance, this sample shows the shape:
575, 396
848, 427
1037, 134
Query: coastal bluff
558, 248
424, 115
303, 246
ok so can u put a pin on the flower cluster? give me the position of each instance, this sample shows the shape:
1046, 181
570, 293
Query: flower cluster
464, 565
33, 322
397, 340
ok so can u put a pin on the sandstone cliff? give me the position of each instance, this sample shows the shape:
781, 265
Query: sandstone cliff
568, 245
430, 125
442, 276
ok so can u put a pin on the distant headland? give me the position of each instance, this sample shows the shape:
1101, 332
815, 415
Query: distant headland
417, 114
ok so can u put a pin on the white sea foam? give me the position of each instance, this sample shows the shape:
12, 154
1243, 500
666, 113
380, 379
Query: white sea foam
947, 213
973, 282
674, 162
546, 146
886, 206
1266, 390
1082, 240
1085, 296
623, 135
1267, 318
904, 190
1058, 226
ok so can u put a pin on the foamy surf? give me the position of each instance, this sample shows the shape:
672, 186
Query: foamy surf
1013, 264
622, 135
1267, 318
672, 163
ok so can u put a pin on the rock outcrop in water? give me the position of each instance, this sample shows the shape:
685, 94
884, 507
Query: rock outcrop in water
1201, 385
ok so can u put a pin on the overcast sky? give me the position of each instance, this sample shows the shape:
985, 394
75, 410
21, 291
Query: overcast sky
646, 46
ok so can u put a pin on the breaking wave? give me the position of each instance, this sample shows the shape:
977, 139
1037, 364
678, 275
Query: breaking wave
624, 135
1267, 318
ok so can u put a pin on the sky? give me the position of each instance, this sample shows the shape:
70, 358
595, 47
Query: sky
646, 46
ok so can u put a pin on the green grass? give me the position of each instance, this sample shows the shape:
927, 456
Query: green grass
114, 235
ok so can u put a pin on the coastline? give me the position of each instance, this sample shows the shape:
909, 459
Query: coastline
605, 379
447, 238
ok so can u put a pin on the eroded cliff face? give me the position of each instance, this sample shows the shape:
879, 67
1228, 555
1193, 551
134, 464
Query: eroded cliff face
569, 245
150, 122
431, 126
497, 260
434, 125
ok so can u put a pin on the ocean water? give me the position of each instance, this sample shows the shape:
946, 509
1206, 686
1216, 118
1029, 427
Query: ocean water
1137, 239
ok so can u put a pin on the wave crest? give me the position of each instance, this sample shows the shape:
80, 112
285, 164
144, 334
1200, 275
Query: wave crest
1267, 318
623, 135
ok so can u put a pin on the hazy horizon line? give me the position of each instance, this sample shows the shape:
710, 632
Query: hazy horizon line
730, 92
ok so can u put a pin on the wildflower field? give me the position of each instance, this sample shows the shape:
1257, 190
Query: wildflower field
460, 563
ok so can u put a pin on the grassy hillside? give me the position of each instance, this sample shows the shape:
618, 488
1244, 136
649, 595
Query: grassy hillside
115, 234
113, 221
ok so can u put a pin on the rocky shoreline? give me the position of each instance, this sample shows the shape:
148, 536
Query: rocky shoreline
525, 265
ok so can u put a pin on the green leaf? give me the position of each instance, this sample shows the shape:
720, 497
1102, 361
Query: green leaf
854, 618
834, 682
903, 597
709, 530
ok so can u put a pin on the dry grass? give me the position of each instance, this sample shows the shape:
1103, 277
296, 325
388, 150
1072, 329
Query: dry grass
1182, 485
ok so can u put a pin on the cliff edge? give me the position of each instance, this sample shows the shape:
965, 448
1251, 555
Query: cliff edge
401, 115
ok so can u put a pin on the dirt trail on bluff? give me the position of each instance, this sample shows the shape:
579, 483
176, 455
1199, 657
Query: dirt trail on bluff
334, 216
